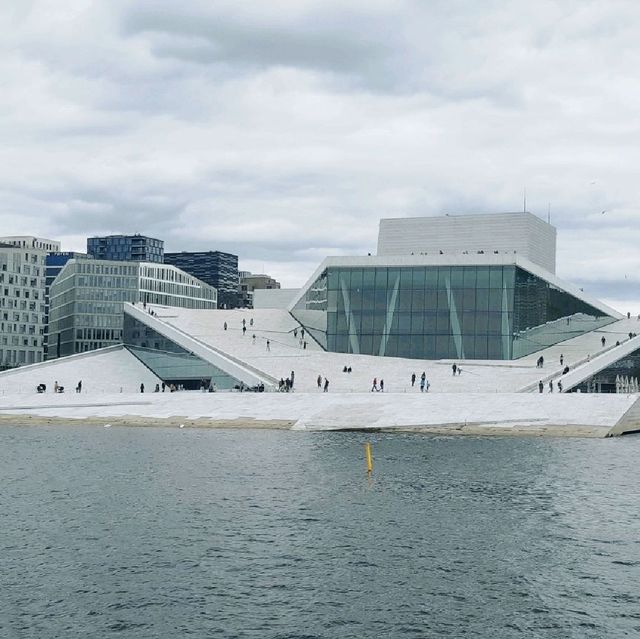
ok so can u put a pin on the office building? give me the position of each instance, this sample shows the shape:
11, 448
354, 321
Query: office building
216, 268
126, 248
250, 282
55, 261
87, 298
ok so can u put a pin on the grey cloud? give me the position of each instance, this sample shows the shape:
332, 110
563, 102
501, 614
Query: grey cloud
312, 43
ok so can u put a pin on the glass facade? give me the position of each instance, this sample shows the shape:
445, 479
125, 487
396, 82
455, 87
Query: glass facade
128, 248
87, 298
216, 268
614, 378
435, 312
169, 361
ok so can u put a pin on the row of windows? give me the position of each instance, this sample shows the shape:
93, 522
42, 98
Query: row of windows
439, 277
415, 346
10, 357
420, 323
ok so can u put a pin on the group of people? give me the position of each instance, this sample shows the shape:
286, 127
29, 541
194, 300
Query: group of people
42, 388
377, 387
323, 385
541, 386
286, 385
424, 382
456, 369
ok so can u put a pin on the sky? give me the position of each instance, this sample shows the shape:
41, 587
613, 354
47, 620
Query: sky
282, 131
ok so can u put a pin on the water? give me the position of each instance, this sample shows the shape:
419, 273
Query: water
167, 533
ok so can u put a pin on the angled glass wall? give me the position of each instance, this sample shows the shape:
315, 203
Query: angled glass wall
434, 312
169, 361
619, 377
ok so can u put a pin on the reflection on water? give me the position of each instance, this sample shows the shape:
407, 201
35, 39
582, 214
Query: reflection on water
167, 533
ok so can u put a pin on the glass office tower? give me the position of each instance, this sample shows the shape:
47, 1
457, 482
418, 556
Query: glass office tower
433, 312
128, 248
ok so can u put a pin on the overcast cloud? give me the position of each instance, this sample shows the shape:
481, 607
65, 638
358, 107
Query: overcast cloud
283, 130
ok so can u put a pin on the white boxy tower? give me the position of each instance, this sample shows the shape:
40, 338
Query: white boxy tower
496, 233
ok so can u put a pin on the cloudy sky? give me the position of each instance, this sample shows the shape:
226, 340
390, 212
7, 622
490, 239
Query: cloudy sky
284, 130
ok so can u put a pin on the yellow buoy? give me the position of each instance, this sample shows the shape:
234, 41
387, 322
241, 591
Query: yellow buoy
369, 457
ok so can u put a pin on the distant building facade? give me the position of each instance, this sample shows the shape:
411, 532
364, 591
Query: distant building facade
216, 268
22, 300
126, 248
87, 297
249, 282
55, 262
32, 242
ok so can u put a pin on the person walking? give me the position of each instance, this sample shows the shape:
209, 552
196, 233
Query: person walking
454, 368
225, 326
293, 376
163, 386
603, 341
551, 386
423, 381
319, 381
413, 380
79, 387
244, 323
251, 322
374, 387
381, 385
326, 385
540, 386
268, 345
244, 330
561, 359
253, 339
559, 385
142, 388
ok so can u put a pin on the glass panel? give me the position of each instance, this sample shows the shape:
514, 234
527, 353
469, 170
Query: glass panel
419, 278
404, 299
431, 277
470, 276
457, 277
443, 276
368, 278
495, 277
356, 278
417, 323
381, 279
406, 278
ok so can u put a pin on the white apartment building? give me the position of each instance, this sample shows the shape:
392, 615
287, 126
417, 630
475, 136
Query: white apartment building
22, 302
29, 241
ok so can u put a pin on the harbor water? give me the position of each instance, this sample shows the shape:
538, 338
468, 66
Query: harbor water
165, 533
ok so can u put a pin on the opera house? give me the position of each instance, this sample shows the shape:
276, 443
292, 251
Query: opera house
475, 291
